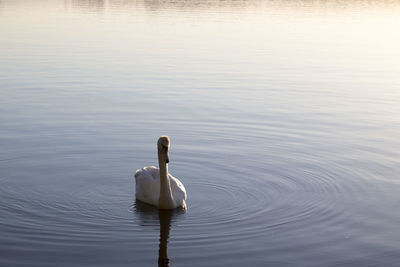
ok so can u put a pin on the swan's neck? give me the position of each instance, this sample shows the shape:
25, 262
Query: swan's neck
166, 200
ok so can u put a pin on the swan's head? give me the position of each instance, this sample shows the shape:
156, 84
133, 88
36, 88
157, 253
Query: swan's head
163, 147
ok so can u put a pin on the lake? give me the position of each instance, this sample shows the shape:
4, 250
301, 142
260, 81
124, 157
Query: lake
284, 119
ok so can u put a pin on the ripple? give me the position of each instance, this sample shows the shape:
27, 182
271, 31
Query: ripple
227, 204
296, 199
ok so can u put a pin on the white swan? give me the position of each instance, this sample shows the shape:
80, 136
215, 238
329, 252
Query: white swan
156, 186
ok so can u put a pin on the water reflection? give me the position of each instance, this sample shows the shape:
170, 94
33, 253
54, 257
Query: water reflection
88, 5
233, 5
150, 216
157, 4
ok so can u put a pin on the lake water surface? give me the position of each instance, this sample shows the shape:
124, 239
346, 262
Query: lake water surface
284, 119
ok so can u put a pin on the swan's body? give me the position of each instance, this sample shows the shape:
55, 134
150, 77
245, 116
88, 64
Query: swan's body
148, 187
156, 186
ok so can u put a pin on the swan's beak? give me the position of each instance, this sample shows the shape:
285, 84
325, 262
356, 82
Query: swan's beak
167, 158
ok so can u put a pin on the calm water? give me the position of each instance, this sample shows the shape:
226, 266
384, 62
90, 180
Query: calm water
284, 118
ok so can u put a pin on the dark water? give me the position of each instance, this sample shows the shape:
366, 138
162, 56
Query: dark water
284, 118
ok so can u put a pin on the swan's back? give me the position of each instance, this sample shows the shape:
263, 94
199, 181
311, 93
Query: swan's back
148, 187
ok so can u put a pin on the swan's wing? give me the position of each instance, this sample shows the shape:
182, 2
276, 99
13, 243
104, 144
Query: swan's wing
178, 190
147, 173
148, 185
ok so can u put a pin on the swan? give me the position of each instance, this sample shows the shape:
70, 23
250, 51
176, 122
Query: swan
156, 186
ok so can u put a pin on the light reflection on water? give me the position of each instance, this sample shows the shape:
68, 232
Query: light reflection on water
283, 118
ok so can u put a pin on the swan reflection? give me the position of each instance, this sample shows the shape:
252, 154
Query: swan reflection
165, 225
151, 216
